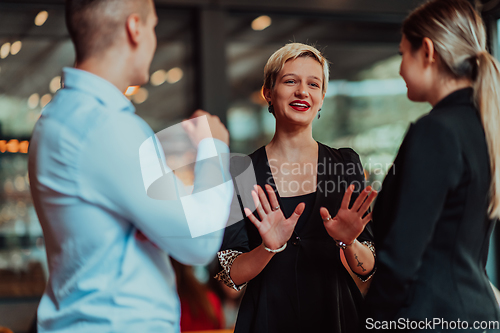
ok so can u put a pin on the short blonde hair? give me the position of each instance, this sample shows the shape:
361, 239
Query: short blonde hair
289, 52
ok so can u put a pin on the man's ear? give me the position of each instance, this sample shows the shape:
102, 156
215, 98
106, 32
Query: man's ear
428, 49
132, 25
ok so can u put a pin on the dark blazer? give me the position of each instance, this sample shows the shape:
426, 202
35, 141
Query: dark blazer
305, 288
431, 224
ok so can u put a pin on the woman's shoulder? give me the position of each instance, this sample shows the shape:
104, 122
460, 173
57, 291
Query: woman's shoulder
453, 119
445, 125
345, 154
440, 135
258, 154
241, 162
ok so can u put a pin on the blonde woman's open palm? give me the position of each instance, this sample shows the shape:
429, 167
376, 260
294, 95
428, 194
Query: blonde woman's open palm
274, 229
348, 224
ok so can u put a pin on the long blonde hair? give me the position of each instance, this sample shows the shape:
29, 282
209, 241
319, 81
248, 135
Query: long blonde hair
459, 38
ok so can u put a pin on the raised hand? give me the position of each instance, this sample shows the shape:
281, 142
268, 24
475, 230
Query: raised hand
274, 229
348, 224
197, 130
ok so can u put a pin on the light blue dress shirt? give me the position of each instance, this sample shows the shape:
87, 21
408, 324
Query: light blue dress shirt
89, 193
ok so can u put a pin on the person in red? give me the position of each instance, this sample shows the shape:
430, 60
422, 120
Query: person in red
201, 308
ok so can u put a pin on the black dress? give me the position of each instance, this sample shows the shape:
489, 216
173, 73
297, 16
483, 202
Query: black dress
431, 224
305, 288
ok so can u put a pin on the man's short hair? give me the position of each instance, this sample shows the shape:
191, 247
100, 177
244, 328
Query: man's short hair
94, 25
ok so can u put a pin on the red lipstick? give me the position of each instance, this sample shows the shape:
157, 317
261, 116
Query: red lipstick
299, 105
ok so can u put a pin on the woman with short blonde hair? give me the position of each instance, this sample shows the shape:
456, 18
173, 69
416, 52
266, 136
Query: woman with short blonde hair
289, 52
289, 254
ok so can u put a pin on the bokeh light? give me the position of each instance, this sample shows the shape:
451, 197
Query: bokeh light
158, 77
41, 18
16, 47
174, 75
141, 96
261, 23
55, 84
45, 100
33, 101
4, 50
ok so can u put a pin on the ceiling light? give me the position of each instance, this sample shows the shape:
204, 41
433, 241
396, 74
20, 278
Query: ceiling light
158, 77
174, 75
4, 50
261, 22
45, 100
16, 47
41, 18
55, 84
23, 147
13, 146
141, 96
33, 101
132, 90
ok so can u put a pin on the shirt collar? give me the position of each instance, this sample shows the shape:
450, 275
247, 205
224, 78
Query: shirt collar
461, 96
104, 91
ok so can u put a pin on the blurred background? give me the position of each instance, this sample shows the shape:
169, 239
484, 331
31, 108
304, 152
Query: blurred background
211, 55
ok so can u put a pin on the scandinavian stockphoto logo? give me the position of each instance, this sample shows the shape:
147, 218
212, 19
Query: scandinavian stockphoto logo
168, 160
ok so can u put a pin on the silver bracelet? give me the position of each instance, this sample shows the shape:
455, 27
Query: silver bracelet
274, 251
342, 245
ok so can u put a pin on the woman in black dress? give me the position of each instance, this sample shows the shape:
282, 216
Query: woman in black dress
289, 255
438, 205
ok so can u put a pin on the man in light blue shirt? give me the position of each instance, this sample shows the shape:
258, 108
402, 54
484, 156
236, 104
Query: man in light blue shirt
87, 183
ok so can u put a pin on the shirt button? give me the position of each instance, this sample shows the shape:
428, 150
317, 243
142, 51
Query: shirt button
296, 241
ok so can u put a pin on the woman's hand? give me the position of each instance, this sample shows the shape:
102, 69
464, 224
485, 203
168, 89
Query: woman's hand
348, 224
274, 229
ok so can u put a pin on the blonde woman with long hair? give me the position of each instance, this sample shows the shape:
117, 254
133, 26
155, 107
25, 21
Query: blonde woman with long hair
437, 208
